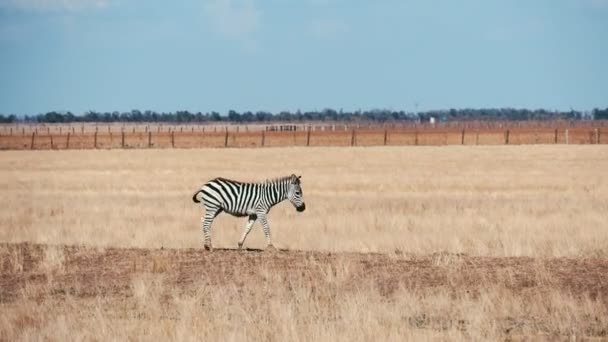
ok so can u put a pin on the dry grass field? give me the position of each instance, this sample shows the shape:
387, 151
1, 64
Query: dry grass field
453, 242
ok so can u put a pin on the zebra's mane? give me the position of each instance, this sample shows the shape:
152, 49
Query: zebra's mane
277, 180
267, 181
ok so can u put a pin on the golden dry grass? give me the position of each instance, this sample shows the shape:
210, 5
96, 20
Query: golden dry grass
456, 228
65, 293
547, 201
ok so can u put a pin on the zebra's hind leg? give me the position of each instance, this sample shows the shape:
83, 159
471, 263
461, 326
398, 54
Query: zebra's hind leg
206, 220
248, 227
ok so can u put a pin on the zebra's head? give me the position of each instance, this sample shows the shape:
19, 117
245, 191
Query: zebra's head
294, 193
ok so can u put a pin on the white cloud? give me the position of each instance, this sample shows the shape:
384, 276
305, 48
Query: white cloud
238, 20
53, 5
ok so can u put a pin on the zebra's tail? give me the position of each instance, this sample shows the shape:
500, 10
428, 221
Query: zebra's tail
195, 197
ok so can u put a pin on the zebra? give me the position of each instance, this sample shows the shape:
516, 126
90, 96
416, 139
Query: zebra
253, 200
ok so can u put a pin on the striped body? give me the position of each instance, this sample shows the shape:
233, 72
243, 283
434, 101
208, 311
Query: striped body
246, 199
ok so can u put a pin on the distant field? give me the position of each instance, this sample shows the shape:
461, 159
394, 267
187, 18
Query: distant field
130, 136
472, 243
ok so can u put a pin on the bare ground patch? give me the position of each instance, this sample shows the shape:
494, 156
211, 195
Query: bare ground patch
128, 280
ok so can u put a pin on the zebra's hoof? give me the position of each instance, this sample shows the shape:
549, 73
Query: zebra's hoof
240, 245
208, 248
271, 248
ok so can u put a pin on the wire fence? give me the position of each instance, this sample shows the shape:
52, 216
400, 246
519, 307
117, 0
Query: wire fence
43, 138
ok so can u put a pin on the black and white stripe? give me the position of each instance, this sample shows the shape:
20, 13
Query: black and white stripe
246, 199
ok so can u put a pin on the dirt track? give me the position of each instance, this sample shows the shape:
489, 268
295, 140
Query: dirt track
87, 272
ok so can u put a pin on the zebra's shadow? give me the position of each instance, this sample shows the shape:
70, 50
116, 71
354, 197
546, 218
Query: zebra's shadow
249, 250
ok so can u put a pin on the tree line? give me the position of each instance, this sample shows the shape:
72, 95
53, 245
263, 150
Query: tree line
376, 115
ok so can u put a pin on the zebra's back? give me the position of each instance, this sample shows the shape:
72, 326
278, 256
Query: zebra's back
236, 198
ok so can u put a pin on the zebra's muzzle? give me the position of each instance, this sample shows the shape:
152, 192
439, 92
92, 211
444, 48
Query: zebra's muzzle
301, 208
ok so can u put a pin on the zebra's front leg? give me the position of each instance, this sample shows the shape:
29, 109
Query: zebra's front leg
266, 228
248, 227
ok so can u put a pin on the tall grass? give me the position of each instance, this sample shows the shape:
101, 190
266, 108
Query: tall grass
547, 201
336, 304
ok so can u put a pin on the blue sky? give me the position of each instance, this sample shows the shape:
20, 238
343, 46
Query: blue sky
216, 55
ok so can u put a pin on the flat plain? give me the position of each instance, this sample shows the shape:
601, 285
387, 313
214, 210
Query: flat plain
451, 242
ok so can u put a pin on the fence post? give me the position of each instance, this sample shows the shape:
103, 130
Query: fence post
597, 135
555, 136
172, 138
95, 140
507, 138
122, 139
416, 137
263, 137
308, 137
385, 136
477, 138
567, 137
462, 137
51, 142
352, 137
67, 143
32, 145
149, 139
226, 138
